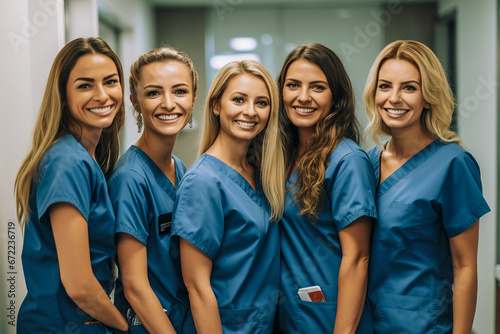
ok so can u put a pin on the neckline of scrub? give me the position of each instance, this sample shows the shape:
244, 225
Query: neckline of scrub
238, 179
406, 168
73, 136
160, 177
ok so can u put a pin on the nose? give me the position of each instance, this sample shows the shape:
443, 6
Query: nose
395, 96
249, 110
100, 93
304, 95
168, 101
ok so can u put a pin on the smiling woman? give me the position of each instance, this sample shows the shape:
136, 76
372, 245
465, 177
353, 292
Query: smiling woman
62, 195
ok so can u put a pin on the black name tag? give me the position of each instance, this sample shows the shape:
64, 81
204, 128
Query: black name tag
164, 223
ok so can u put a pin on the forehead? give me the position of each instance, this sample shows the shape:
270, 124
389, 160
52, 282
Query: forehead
304, 70
399, 69
248, 83
93, 64
165, 69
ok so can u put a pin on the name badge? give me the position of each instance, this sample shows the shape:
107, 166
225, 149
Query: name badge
165, 223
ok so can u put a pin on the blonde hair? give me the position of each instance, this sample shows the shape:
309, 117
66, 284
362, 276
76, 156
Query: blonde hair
339, 124
265, 152
54, 119
161, 54
435, 89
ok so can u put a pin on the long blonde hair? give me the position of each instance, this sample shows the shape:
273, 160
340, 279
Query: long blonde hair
339, 124
265, 152
54, 119
435, 89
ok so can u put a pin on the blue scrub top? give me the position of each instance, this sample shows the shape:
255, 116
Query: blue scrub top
311, 253
222, 215
66, 173
143, 198
434, 196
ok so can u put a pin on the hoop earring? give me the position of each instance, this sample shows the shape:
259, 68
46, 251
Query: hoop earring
139, 122
191, 122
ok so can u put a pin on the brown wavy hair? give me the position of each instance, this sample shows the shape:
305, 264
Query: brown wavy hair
54, 119
339, 124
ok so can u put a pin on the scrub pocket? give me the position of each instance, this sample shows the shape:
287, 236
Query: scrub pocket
319, 317
175, 315
237, 321
406, 314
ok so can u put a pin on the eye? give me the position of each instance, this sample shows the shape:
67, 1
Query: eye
262, 103
84, 86
319, 88
153, 93
111, 82
238, 100
384, 86
180, 91
410, 88
292, 85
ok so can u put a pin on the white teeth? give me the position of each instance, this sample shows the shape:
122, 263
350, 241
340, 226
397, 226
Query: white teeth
306, 110
168, 117
100, 110
247, 124
396, 112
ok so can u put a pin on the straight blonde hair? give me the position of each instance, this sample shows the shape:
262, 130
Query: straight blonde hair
265, 152
54, 120
435, 89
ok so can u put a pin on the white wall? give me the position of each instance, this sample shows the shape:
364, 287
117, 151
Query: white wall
31, 33
477, 124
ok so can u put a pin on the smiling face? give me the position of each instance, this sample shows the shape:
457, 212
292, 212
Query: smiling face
94, 93
306, 95
243, 108
165, 97
398, 96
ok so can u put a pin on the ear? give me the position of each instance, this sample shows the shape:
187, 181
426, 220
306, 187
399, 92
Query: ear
194, 100
427, 105
135, 104
216, 107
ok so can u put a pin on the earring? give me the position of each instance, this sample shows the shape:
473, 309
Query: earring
139, 122
191, 122
216, 116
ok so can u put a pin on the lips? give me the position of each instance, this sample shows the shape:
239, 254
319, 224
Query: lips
100, 110
304, 110
168, 117
246, 124
397, 111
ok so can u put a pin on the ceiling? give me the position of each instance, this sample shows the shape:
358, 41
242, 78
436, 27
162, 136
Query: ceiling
235, 3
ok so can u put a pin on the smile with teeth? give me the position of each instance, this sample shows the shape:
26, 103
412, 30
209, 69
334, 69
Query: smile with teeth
170, 117
246, 124
304, 110
101, 110
396, 111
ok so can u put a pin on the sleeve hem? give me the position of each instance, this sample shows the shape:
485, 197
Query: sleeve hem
351, 217
198, 244
476, 214
134, 233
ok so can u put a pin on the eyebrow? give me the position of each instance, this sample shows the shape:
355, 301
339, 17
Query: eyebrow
310, 83
403, 83
92, 79
161, 87
246, 95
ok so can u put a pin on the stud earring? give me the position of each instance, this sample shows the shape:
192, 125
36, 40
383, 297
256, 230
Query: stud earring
191, 122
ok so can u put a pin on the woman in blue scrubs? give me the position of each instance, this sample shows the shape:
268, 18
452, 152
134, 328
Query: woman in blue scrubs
423, 275
228, 204
142, 188
330, 199
62, 195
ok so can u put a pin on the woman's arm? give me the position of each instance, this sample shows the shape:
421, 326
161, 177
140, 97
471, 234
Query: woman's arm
196, 271
353, 274
72, 243
464, 258
132, 257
